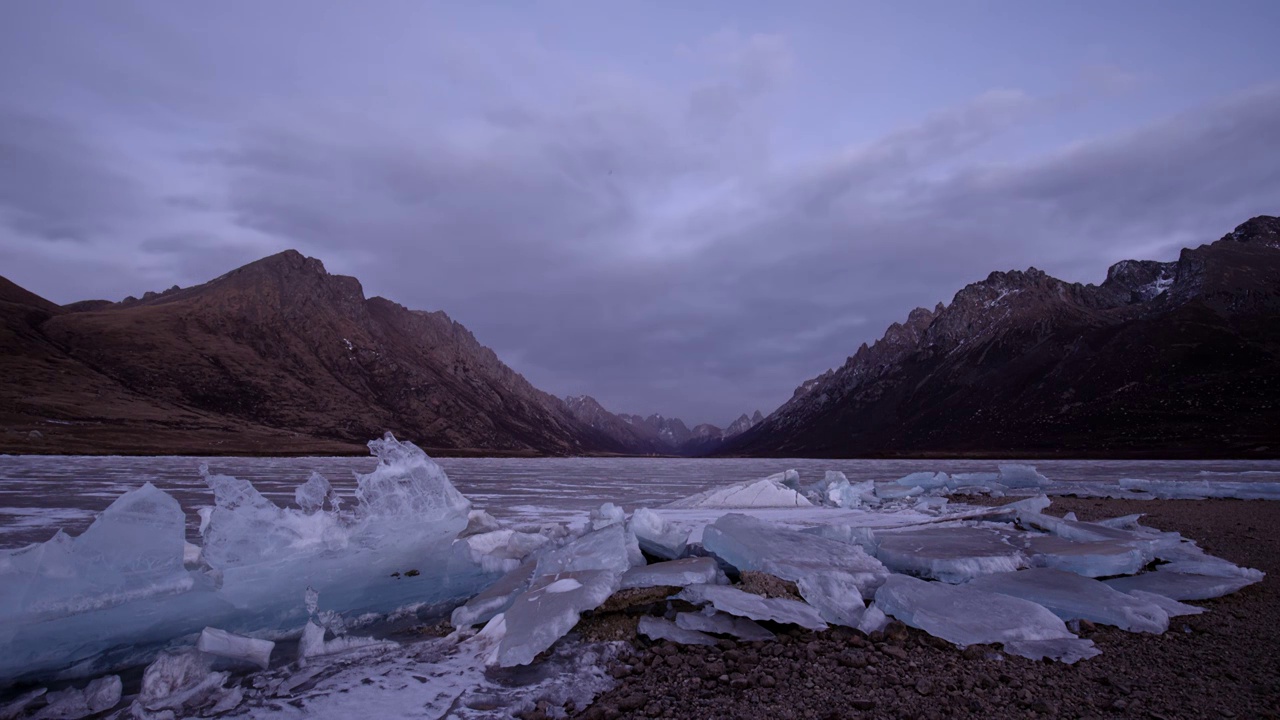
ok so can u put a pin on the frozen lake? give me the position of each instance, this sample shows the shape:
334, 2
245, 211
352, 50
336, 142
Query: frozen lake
39, 494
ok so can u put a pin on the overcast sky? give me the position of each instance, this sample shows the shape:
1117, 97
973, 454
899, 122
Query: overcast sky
685, 208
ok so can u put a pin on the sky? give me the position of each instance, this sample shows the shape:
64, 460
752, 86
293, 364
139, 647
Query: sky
680, 208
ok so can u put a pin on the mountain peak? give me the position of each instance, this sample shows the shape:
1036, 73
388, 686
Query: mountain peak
1263, 229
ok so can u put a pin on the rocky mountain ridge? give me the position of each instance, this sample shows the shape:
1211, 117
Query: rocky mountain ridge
1175, 358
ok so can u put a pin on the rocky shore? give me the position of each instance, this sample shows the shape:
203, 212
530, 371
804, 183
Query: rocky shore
1222, 663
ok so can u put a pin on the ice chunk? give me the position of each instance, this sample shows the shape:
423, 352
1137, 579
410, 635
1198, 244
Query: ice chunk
923, 480
98, 696
1171, 607
967, 616
872, 620
479, 521
496, 598
839, 492
19, 704
1181, 586
406, 484
1187, 557
719, 623
894, 491
744, 604
675, 573
1102, 558
662, 629
1072, 597
657, 536
313, 643
503, 550
767, 492
312, 494
836, 595
748, 543
1021, 476
949, 554
181, 680
1201, 489
236, 647
540, 617
606, 515
612, 548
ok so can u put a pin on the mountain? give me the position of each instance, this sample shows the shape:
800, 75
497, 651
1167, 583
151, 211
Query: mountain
1176, 359
656, 434
276, 356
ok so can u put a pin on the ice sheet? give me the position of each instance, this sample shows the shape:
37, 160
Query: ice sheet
736, 602
675, 573
657, 628
767, 492
541, 616
950, 554
720, 623
967, 616
1072, 597
657, 536
1181, 586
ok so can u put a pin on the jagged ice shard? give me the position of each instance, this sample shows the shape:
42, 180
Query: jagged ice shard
123, 582
1073, 597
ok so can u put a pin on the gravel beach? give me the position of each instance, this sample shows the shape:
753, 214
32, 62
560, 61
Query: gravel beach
1223, 663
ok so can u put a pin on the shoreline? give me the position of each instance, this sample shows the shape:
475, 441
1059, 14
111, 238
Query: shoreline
1222, 663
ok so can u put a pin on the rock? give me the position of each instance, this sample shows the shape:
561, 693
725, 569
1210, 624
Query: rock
924, 687
634, 701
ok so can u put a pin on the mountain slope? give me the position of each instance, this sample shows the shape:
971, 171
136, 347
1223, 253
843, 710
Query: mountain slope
280, 347
1162, 359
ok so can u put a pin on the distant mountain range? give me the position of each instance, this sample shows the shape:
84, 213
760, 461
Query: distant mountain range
278, 356
1176, 359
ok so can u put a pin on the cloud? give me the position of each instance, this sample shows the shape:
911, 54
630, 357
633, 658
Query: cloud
642, 235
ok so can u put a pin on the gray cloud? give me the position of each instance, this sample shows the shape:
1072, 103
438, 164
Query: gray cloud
648, 241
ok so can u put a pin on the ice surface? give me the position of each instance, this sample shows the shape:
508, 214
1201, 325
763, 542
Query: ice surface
675, 573
539, 617
950, 554
1072, 597
1198, 490
613, 548
236, 647
74, 703
748, 543
663, 629
767, 492
657, 536
1181, 586
720, 623
744, 604
496, 598
967, 616
606, 515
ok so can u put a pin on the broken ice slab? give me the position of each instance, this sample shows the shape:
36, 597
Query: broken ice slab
1203, 489
767, 492
949, 554
550, 609
720, 623
606, 515
312, 495
496, 598
235, 647
894, 491
967, 616
924, 480
836, 595
313, 643
613, 548
503, 550
1102, 558
1187, 557
180, 681
1014, 475
749, 543
19, 704
98, 696
1181, 586
675, 573
479, 521
656, 628
744, 604
1171, 607
1072, 597
657, 536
